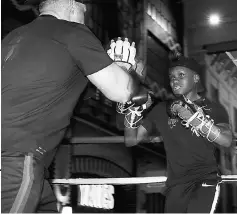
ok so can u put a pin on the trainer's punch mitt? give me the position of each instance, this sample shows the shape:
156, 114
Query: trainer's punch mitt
122, 52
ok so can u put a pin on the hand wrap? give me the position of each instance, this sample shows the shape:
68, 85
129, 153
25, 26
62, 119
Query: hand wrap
192, 116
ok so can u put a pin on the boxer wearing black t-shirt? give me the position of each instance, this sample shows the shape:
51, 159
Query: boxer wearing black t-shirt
46, 65
44, 73
192, 168
191, 160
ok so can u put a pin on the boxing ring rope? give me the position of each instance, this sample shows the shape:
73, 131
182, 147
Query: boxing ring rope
158, 180
119, 181
111, 140
98, 140
124, 181
114, 181
101, 140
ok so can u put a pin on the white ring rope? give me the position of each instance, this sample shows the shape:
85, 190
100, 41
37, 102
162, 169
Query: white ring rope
123, 181
102, 140
228, 178
118, 181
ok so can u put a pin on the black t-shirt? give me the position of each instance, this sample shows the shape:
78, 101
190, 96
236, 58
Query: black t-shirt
189, 157
44, 69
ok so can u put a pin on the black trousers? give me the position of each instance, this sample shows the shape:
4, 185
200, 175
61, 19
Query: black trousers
24, 187
195, 198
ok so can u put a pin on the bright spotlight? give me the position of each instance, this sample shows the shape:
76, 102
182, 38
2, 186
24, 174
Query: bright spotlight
214, 19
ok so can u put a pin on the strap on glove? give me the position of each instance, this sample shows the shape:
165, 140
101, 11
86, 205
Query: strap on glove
192, 116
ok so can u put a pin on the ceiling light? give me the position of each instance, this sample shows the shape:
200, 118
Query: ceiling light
214, 19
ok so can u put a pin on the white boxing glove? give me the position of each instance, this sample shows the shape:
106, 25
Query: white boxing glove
122, 52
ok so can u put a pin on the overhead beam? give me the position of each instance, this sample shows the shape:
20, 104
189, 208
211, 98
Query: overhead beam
221, 47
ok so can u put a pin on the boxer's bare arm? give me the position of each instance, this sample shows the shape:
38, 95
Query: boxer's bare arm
114, 82
134, 136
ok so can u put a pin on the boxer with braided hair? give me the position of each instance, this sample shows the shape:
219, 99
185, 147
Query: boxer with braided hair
192, 128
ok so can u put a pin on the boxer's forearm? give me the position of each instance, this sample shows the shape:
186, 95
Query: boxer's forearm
225, 137
127, 86
134, 136
219, 133
132, 88
138, 94
130, 137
